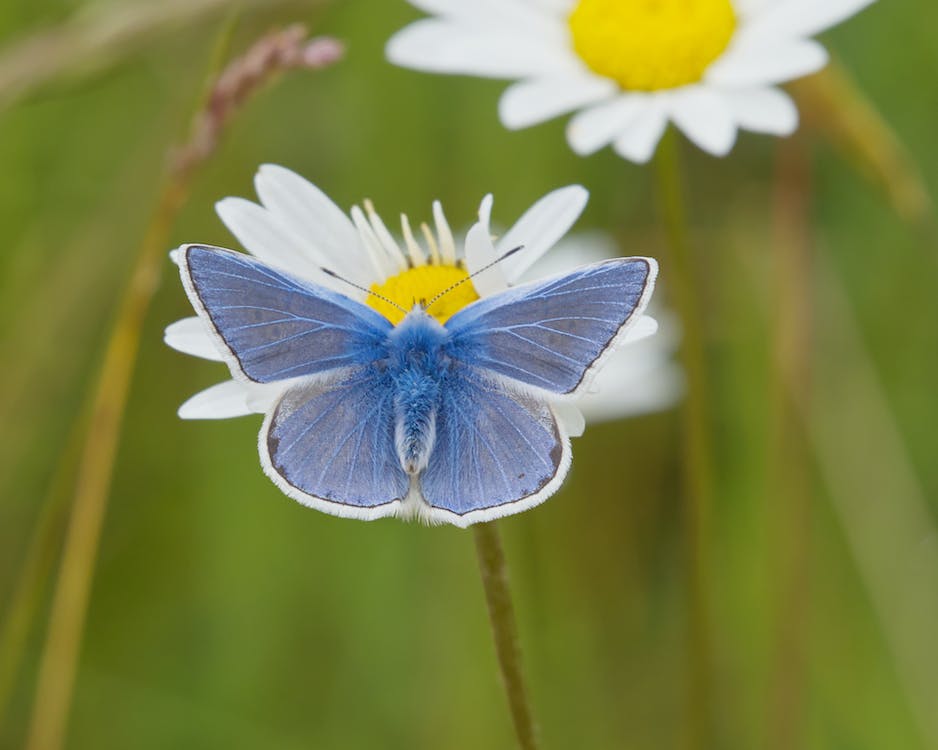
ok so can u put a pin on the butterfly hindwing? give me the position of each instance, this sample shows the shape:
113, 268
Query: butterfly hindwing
272, 326
330, 445
550, 334
496, 452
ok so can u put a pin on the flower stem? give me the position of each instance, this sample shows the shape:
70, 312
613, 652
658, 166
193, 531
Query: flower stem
679, 273
791, 474
504, 630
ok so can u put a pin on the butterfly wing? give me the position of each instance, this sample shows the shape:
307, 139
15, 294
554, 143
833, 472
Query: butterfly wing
496, 453
499, 448
330, 445
272, 326
552, 334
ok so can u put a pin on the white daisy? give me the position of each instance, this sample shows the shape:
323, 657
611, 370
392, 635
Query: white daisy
299, 230
628, 67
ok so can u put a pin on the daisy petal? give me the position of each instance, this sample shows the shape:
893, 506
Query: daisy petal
233, 398
441, 46
705, 118
480, 252
639, 142
260, 397
597, 127
522, 16
265, 237
529, 102
561, 7
644, 327
766, 110
380, 264
222, 401
749, 8
571, 252
541, 227
327, 235
639, 378
485, 211
262, 235
190, 336
571, 419
624, 388
444, 235
758, 65
803, 18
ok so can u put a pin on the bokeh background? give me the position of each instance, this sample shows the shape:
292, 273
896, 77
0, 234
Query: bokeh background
225, 615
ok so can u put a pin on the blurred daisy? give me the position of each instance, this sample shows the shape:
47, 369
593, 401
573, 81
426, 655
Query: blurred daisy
628, 67
299, 230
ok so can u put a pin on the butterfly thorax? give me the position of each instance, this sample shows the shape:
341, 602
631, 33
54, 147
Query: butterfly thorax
418, 364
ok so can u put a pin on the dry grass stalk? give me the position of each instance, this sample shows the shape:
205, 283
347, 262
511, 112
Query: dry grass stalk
274, 53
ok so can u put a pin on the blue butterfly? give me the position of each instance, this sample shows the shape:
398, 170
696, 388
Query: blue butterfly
450, 423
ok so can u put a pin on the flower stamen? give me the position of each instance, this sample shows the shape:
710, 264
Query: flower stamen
420, 285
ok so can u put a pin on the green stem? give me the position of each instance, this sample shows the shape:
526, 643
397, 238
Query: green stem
679, 273
504, 630
790, 478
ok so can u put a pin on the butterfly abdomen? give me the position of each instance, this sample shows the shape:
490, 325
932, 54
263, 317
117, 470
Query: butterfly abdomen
418, 367
415, 407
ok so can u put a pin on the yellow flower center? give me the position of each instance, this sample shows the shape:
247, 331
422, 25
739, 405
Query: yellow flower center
420, 285
649, 45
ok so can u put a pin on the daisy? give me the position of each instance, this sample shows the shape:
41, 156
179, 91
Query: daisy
629, 67
298, 229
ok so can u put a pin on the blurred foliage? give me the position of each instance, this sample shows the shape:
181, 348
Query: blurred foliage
224, 614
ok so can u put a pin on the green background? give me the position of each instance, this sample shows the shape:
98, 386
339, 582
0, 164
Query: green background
225, 615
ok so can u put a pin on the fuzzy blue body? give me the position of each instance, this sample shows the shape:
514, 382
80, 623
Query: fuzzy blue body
417, 365
370, 412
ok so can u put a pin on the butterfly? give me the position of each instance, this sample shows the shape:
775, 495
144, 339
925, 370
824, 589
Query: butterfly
449, 423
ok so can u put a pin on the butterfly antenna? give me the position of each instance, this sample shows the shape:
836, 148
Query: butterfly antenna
473, 275
367, 291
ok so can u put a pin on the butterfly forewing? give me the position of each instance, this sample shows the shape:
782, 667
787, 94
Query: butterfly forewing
272, 326
331, 446
549, 334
